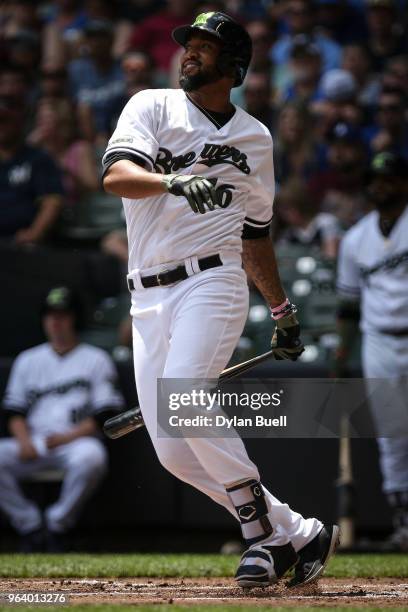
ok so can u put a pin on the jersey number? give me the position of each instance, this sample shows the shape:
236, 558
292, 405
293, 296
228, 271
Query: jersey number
224, 193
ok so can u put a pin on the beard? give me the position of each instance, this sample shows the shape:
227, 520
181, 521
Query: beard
201, 78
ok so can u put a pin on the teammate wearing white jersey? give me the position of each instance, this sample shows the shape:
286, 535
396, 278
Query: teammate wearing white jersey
373, 268
56, 395
196, 176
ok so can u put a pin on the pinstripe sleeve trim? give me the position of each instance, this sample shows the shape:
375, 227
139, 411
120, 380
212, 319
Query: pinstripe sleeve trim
130, 150
255, 223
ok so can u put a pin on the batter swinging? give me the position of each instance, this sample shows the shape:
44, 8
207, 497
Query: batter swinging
196, 177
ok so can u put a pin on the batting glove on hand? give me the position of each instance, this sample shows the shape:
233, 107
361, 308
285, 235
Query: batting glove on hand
286, 342
199, 191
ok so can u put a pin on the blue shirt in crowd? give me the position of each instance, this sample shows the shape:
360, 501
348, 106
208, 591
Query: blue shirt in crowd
24, 180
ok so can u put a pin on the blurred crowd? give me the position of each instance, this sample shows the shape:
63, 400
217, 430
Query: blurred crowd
329, 78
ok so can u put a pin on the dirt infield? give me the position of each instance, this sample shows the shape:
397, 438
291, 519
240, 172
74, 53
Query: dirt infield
330, 592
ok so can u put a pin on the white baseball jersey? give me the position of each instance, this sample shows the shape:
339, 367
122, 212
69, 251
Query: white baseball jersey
56, 391
376, 267
173, 136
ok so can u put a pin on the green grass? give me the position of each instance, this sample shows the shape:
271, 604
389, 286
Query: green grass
137, 565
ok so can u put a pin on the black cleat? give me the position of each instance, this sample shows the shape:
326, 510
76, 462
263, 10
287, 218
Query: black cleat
314, 557
263, 565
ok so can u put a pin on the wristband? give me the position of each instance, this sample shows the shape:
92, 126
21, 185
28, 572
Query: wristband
278, 312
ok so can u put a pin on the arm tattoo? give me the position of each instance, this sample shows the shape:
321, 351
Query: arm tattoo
259, 261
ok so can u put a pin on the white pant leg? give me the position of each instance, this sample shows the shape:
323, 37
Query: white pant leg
84, 462
205, 318
23, 514
207, 325
150, 327
385, 356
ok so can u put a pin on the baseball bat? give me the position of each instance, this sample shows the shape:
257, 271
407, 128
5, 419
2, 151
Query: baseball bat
345, 487
128, 421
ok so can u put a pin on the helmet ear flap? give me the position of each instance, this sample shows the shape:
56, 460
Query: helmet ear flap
226, 64
230, 67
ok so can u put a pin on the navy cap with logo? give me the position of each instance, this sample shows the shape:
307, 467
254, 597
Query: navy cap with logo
236, 52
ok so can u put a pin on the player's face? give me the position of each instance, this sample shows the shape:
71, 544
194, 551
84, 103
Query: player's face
59, 326
386, 192
199, 62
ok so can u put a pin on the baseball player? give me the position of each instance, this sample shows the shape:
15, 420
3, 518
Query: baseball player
196, 176
372, 277
56, 395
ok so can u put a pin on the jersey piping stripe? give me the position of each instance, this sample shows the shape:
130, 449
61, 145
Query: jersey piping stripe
128, 150
256, 223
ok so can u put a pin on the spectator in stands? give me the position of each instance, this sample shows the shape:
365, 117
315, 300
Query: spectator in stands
30, 184
57, 394
258, 97
62, 33
301, 20
153, 35
391, 130
53, 81
305, 224
24, 51
19, 16
395, 75
357, 62
96, 82
55, 132
138, 74
386, 37
295, 152
14, 83
340, 188
262, 37
108, 11
338, 102
305, 67
138, 71
341, 21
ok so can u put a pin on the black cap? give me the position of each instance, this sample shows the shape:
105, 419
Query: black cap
64, 299
388, 164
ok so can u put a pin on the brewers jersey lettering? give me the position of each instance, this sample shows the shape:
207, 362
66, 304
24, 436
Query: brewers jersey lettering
171, 135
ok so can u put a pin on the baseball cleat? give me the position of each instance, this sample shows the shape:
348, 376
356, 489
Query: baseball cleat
314, 557
262, 566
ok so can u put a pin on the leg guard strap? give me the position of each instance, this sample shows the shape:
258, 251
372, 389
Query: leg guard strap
249, 501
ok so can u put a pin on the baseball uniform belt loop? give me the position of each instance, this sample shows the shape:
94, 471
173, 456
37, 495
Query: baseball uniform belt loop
168, 277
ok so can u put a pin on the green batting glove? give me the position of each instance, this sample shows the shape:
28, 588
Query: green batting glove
286, 342
199, 191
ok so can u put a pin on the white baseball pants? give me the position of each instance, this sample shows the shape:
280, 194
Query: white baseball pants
386, 356
189, 330
84, 462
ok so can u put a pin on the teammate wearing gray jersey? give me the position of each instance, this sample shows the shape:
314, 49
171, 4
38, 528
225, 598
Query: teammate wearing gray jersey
196, 177
373, 274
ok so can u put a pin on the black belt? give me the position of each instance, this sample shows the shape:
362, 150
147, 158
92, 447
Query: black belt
168, 277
